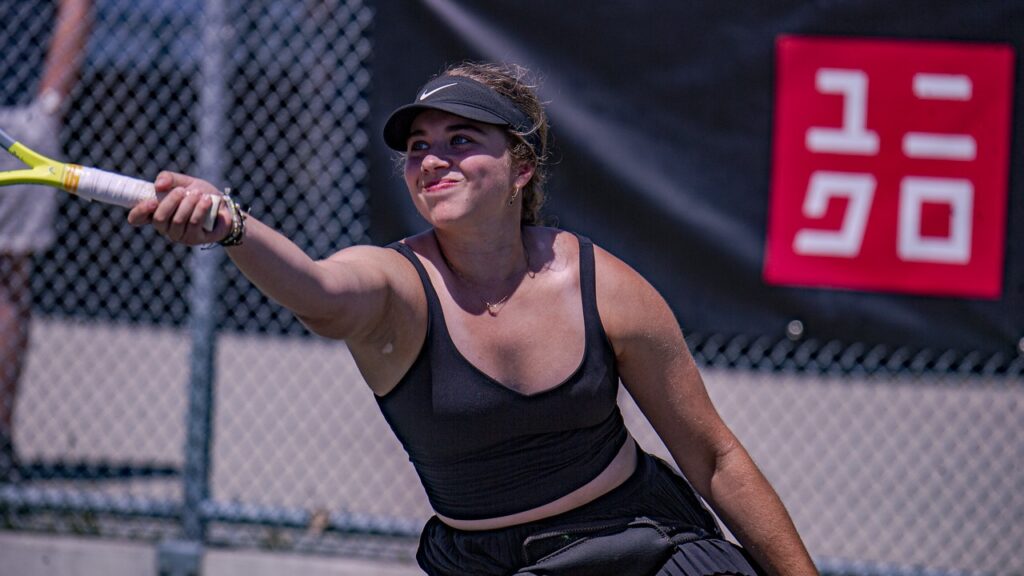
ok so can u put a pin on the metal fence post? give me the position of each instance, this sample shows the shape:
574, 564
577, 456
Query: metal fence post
184, 558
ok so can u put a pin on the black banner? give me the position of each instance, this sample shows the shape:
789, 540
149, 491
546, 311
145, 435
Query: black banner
662, 115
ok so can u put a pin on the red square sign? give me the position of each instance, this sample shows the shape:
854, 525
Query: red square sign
889, 168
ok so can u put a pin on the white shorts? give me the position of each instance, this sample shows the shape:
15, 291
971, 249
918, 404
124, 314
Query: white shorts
27, 211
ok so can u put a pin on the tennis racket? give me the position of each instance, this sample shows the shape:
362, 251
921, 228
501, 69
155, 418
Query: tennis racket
89, 183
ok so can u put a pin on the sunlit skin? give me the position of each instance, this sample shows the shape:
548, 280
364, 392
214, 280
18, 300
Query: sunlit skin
456, 166
461, 176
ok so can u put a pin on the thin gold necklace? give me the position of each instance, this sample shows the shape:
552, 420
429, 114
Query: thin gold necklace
492, 307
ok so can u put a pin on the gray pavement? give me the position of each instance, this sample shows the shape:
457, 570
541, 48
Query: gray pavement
35, 555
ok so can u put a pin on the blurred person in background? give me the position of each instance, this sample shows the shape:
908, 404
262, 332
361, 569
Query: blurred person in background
43, 45
495, 346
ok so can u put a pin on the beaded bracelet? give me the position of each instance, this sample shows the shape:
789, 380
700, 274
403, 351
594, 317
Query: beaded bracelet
237, 232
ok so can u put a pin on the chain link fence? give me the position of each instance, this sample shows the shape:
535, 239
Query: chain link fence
891, 461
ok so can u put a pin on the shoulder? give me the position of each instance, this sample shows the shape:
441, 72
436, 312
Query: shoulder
560, 250
388, 257
551, 249
383, 271
421, 243
617, 279
630, 307
375, 264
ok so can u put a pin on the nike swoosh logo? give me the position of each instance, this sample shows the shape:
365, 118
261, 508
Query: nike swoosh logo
435, 90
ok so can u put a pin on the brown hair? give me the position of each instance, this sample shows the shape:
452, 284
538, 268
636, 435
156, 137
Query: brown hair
513, 82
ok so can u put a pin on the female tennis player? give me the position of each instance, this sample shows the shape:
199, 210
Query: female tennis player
495, 346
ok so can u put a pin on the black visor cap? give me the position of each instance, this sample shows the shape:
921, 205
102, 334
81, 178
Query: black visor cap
463, 97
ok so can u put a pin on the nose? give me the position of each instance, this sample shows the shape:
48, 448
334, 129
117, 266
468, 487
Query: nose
432, 162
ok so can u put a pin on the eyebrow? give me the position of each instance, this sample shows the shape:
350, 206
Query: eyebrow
452, 128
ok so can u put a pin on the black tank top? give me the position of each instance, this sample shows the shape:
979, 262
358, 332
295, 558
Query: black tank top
483, 450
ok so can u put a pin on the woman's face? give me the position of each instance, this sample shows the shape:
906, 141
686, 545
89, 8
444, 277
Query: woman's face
455, 167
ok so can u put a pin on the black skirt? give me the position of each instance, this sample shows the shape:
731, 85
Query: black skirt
652, 524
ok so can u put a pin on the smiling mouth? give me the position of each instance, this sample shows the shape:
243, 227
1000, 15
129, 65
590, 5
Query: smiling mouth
439, 185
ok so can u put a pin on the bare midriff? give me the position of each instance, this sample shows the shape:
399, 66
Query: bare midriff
620, 468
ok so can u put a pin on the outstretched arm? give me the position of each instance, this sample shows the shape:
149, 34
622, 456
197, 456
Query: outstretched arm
345, 296
656, 367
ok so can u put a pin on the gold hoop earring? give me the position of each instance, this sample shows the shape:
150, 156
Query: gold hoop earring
515, 192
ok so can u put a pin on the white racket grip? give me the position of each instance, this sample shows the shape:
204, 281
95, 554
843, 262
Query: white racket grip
110, 188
